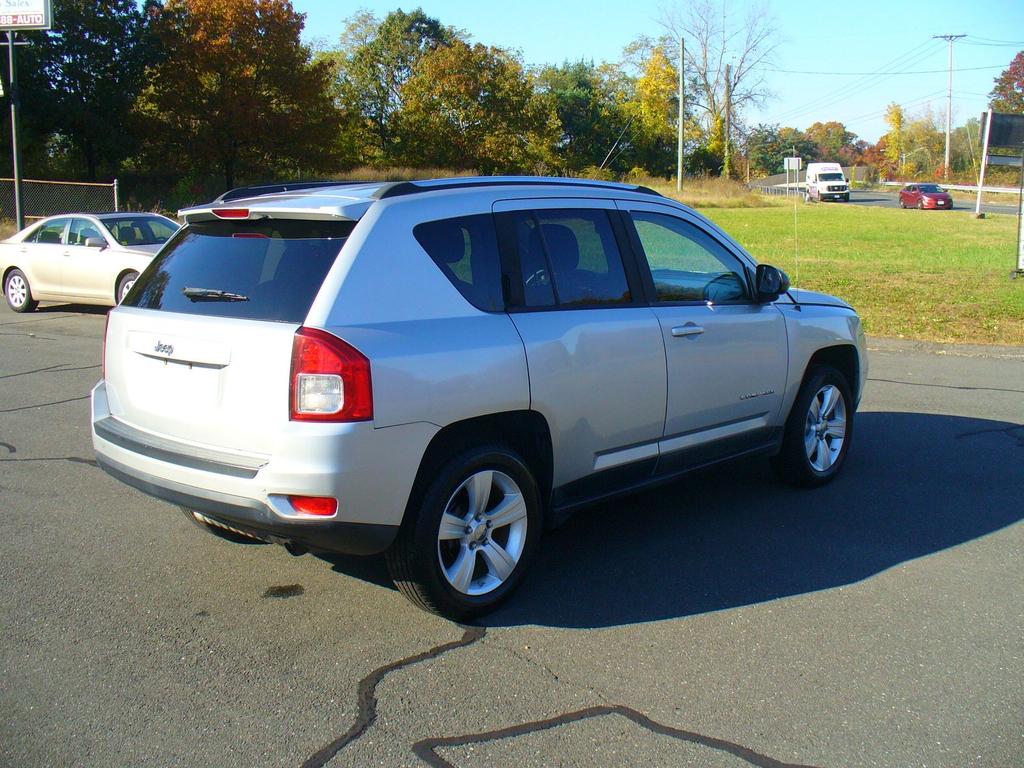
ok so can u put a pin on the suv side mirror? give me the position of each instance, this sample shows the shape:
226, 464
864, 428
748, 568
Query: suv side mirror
95, 242
770, 283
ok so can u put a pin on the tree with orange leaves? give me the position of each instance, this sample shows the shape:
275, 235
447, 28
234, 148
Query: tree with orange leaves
237, 94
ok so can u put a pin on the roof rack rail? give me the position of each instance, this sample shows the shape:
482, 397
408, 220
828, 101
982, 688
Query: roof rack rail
288, 186
403, 188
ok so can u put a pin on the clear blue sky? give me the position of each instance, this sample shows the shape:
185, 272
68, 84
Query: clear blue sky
821, 36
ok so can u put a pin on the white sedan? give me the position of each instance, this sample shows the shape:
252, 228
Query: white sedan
81, 258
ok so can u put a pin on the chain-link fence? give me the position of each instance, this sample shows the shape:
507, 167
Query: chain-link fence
49, 198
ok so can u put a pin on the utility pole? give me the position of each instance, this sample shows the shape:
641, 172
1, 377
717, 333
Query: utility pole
949, 97
727, 165
679, 130
19, 215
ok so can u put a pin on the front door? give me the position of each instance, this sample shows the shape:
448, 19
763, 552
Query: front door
727, 355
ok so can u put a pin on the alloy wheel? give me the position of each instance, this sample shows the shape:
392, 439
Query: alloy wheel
825, 428
482, 534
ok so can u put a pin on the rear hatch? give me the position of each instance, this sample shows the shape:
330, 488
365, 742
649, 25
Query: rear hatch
200, 350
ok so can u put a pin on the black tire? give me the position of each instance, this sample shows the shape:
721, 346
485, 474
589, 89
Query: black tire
234, 537
18, 292
846, 198
793, 462
415, 559
124, 285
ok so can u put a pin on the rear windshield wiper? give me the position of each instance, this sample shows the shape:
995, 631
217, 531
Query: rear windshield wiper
212, 294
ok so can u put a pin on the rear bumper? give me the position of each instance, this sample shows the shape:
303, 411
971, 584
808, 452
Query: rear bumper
368, 470
256, 518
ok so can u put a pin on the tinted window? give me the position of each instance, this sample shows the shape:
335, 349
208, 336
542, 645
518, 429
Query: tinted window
51, 234
81, 230
931, 188
466, 250
272, 268
569, 258
830, 177
687, 264
140, 230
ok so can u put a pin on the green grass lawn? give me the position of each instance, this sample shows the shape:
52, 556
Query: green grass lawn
935, 275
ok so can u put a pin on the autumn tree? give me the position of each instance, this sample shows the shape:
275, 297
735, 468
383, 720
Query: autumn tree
373, 64
832, 138
1008, 92
715, 38
473, 106
80, 81
237, 92
589, 115
653, 111
895, 119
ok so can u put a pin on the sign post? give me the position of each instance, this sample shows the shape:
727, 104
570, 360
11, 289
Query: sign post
20, 15
792, 164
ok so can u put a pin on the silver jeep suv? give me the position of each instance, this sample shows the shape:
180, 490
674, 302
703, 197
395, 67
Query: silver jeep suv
440, 370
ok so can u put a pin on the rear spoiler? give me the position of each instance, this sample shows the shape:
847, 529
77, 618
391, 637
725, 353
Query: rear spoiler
277, 208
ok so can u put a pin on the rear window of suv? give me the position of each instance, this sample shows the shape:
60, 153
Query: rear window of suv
255, 270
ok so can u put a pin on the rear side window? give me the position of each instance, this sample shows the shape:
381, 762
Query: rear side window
568, 258
49, 234
466, 250
256, 270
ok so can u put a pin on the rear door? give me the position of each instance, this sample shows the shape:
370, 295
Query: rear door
595, 354
43, 257
727, 355
201, 350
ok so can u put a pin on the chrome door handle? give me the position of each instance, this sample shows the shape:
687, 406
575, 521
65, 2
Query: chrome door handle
687, 330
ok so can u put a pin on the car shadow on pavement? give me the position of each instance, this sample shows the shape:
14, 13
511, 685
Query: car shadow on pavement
915, 484
79, 309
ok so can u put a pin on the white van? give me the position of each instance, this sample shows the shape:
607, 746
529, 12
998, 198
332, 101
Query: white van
825, 181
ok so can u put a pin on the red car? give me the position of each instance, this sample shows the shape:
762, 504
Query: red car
925, 196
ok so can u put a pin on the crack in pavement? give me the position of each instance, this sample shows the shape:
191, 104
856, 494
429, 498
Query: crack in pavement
72, 459
367, 694
29, 335
42, 319
1008, 431
50, 369
947, 386
426, 749
10, 448
42, 405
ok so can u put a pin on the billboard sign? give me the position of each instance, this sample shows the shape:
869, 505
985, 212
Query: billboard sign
25, 14
1007, 131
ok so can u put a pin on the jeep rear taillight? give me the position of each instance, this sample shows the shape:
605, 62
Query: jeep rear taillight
330, 379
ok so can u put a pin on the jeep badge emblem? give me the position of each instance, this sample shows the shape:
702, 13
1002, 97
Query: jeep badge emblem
163, 349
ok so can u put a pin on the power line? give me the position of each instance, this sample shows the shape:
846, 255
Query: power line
914, 72
906, 59
990, 41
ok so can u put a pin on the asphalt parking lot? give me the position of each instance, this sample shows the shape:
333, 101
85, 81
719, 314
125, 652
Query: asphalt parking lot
726, 620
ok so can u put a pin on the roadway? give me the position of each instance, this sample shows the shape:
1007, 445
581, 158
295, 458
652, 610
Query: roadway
892, 200
725, 620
